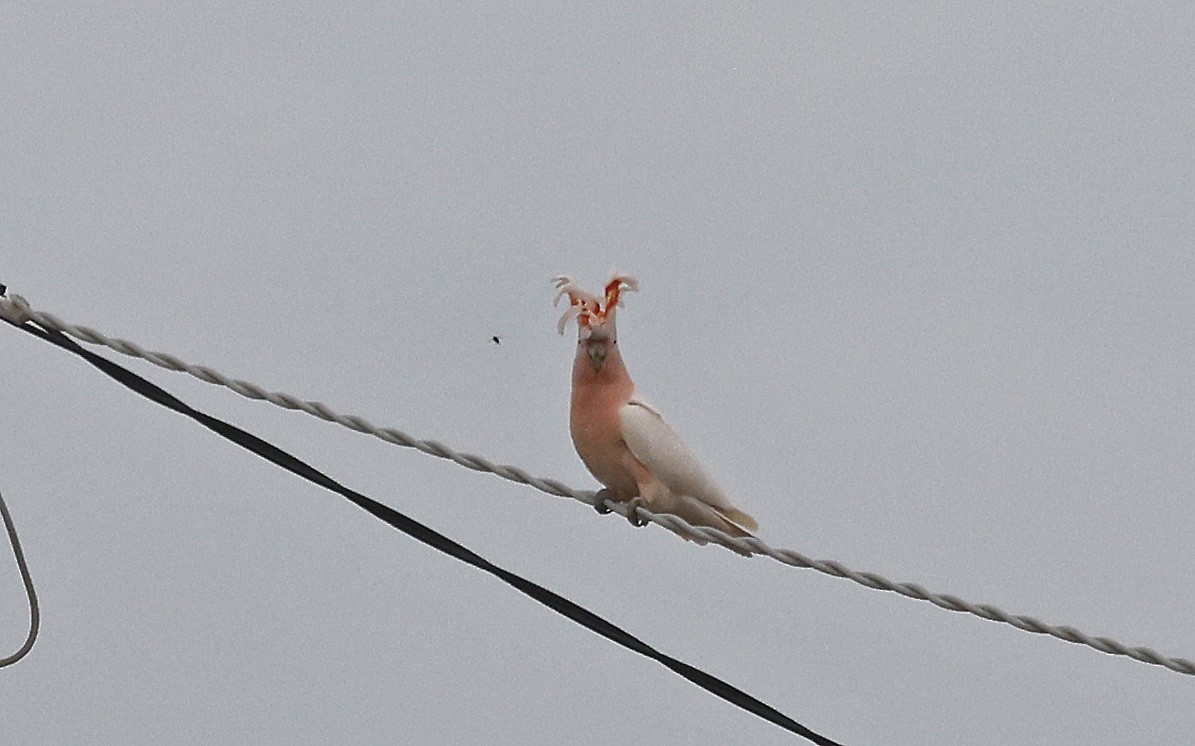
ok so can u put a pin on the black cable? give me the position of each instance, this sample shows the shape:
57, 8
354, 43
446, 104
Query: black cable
428, 536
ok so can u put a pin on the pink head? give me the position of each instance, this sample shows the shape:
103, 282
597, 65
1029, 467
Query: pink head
594, 315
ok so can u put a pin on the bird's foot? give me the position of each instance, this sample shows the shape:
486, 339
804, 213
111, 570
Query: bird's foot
633, 514
599, 500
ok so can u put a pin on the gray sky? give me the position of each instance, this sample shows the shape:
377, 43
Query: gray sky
918, 285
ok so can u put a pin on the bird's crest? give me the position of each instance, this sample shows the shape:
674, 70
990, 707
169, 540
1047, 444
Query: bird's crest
590, 311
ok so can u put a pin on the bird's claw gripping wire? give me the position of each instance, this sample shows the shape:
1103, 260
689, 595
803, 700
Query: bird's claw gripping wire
604, 494
599, 501
633, 506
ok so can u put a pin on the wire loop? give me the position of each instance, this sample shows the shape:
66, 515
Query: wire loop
27, 579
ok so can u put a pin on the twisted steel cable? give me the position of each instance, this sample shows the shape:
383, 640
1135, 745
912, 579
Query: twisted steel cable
17, 310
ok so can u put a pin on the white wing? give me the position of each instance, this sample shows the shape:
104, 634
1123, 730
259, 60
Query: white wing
660, 449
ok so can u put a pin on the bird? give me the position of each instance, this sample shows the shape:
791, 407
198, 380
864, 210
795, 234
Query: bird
622, 439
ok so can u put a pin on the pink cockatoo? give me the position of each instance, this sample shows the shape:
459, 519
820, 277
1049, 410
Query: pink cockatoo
622, 439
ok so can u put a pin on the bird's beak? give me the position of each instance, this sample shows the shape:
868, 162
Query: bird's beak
597, 355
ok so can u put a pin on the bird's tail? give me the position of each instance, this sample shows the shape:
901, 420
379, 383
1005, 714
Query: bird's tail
738, 517
732, 522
